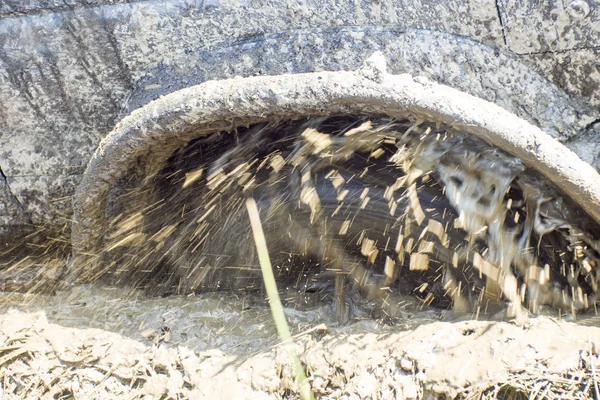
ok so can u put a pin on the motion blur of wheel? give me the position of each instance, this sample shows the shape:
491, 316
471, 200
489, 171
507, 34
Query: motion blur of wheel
406, 207
413, 205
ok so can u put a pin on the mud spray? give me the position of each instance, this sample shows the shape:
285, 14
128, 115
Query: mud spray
389, 205
365, 218
414, 215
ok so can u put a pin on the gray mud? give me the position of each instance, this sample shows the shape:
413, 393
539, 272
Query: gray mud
98, 343
497, 236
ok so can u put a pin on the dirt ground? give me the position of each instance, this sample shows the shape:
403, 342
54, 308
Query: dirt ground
99, 343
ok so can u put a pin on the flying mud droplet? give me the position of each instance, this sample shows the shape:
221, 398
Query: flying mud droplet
386, 204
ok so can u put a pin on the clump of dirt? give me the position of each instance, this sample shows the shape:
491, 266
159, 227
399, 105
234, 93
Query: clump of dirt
98, 343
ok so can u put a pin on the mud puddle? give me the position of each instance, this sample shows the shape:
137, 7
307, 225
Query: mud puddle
99, 343
234, 322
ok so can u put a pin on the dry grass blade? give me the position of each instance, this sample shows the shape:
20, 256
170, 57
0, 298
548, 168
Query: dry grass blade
596, 391
274, 300
14, 354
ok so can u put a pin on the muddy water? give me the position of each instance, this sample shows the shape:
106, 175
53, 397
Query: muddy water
450, 231
94, 343
440, 223
234, 323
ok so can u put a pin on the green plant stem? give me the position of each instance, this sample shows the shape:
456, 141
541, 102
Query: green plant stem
274, 300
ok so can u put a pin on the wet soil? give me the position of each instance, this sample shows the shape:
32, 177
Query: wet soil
101, 343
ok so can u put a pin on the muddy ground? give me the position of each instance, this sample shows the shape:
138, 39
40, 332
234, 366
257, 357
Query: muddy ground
100, 343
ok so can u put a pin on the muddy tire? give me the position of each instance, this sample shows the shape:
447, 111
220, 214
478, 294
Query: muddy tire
152, 147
